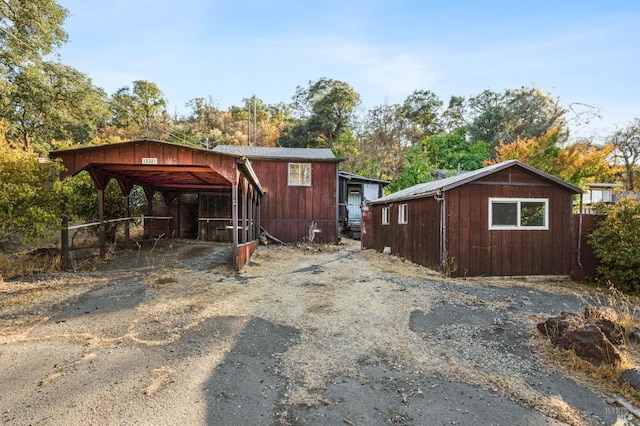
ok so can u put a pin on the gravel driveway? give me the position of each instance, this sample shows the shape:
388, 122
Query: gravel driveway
318, 335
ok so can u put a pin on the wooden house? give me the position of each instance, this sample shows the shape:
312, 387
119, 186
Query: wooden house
301, 190
508, 219
354, 192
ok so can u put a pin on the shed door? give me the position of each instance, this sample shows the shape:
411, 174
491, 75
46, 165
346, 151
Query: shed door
354, 199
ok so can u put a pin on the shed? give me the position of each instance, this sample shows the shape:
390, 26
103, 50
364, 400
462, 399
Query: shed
181, 174
301, 190
354, 191
508, 219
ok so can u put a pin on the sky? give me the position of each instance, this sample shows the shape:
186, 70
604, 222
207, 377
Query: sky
580, 52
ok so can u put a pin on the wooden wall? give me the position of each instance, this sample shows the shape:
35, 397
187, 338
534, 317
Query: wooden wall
288, 211
471, 248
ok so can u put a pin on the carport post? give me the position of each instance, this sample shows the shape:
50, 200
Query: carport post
103, 236
234, 222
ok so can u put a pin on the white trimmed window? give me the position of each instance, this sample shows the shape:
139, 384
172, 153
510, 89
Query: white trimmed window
385, 215
403, 213
518, 213
299, 174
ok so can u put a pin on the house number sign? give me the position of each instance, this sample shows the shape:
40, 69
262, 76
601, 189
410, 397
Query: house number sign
149, 160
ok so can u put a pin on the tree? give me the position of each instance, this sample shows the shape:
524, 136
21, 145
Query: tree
29, 31
30, 195
447, 151
575, 163
422, 109
523, 113
383, 142
52, 102
455, 114
325, 109
627, 149
143, 106
616, 244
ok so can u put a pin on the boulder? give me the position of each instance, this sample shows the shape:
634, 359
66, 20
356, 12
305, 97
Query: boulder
614, 332
590, 344
555, 327
632, 377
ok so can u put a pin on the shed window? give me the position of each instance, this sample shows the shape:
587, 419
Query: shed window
518, 213
385, 215
403, 215
299, 174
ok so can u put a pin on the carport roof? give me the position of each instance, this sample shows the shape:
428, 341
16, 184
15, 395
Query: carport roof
158, 165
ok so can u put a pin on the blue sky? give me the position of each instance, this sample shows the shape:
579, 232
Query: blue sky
578, 51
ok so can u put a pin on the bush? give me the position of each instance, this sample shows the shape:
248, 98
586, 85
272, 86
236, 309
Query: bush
30, 196
616, 244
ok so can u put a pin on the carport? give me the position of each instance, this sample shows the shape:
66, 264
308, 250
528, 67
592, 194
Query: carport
172, 170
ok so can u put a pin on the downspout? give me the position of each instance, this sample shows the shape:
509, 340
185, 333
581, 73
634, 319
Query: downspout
443, 229
337, 221
579, 251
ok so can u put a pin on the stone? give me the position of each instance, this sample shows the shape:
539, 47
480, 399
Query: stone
614, 332
555, 327
590, 344
632, 377
634, 335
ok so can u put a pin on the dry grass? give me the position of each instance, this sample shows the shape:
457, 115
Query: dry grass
625, 310
347, 303
20, 265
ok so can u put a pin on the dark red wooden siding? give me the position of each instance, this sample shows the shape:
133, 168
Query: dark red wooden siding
471, 248
474, 250
287, 212
417, 240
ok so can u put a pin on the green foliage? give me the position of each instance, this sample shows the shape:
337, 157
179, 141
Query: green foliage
30, 195
525, 113
30, 30
445, 151
325, 109
82, 201
422, 109
143, 106
53, 102
616, 244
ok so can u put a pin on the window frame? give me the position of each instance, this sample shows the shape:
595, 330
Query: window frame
403, 214
290, 175
386, 215
518, 226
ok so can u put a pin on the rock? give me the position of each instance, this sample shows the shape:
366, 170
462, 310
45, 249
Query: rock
386, 250
634, 335
632, 377
590, 344
594, 313
614, 332
554, 327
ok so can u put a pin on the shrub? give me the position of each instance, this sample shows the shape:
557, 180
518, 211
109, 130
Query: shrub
616, 244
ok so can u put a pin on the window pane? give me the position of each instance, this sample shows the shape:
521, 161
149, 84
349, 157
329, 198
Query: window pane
532, 213
504, 214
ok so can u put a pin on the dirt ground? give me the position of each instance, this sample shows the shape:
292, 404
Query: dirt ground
319, 335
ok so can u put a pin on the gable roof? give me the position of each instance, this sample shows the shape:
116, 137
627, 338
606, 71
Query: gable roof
358, 178
278, 153
433, 187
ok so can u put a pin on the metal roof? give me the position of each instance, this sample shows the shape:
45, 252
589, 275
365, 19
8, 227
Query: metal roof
278, 153
170, 170
352, 176
433, 187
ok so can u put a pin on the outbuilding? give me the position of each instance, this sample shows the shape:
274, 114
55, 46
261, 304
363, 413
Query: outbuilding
198, 186
507, 219
300, 185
